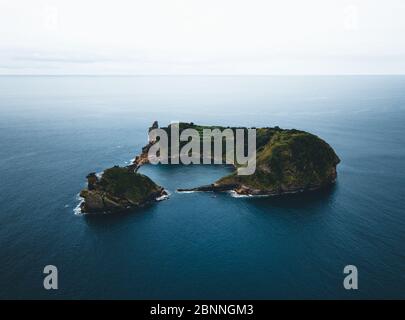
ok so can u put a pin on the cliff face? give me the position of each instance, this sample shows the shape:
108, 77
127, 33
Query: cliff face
118, 189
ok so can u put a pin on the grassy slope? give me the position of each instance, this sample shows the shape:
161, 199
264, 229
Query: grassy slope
290, 159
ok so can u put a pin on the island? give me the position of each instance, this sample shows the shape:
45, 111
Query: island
287, 161
119, 189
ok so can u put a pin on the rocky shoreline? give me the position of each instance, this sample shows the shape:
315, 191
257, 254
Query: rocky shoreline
243, 190
288, 161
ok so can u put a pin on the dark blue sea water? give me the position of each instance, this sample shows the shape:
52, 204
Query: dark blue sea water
55, 130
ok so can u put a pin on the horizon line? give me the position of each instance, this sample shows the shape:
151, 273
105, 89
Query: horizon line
203, 75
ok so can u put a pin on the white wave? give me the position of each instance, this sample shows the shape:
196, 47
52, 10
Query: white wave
99, 174
77, 210
161, 198
188, 191
234, 194
164, 197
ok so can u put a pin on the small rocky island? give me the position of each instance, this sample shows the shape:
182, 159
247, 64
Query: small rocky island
118, 189
287, 161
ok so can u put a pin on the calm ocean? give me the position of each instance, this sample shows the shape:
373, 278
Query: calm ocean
55, 130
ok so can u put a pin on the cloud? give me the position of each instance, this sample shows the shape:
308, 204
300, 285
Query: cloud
202, 37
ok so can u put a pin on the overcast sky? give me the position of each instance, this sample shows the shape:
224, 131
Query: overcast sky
202, 37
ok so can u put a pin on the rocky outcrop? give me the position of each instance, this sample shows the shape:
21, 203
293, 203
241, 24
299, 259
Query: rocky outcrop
155, 125
141, 159
118, 189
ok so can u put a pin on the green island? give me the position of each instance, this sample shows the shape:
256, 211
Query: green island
287, 161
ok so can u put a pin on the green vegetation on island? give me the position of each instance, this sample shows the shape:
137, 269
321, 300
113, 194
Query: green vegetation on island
118, 189
287, 161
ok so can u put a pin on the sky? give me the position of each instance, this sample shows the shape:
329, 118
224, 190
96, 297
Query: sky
146, 37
